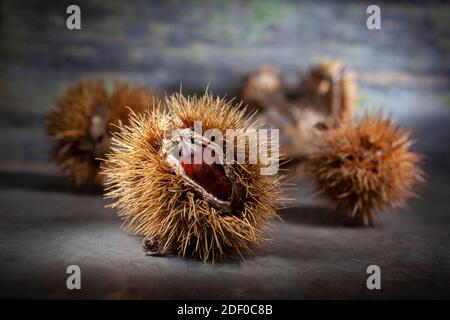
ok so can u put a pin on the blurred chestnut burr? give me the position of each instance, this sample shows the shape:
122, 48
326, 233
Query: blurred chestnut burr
81, 121
324, 97
362, 168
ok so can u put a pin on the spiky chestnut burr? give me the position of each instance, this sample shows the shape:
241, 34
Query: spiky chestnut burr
205, 211
362, 168
80, 123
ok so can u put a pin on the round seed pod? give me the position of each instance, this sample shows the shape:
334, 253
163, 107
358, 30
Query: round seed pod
207, 210
362, 168
81, 121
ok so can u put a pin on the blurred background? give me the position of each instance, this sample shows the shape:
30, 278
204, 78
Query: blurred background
403, 68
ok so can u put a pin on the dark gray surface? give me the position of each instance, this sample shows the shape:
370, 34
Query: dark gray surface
45, 226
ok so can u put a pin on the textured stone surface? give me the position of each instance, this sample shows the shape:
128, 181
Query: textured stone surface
45, 225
